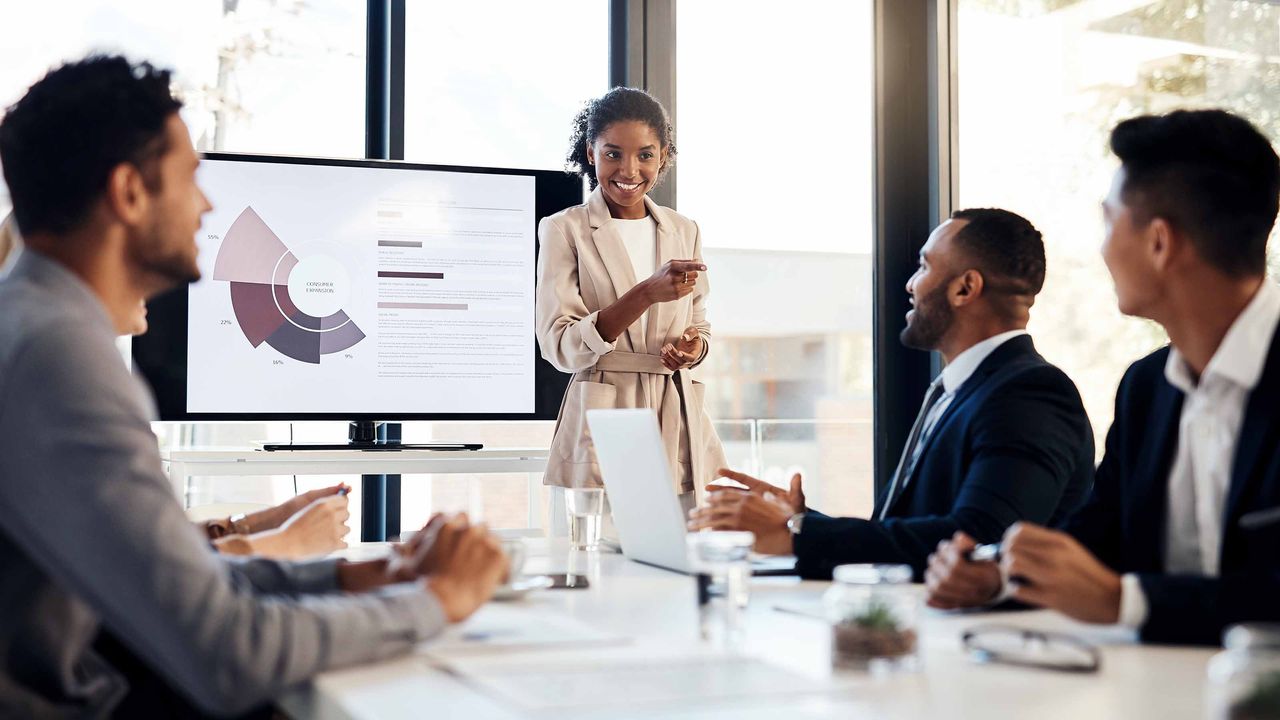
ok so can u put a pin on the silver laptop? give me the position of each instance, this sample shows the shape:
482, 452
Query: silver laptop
646, 512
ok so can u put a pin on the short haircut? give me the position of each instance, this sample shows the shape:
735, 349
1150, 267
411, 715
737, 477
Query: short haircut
1005, 247
60, 142
1211, 175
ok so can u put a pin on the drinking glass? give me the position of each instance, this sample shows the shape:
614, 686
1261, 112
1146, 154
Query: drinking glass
585, 508
722, 563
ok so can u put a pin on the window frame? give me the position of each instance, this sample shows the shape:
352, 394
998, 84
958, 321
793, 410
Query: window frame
915, 159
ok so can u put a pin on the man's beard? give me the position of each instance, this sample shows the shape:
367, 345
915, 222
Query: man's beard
165, 263
932, 319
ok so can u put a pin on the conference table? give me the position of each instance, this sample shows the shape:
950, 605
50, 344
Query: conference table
629, 646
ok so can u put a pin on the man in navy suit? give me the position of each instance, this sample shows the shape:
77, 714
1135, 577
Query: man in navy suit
1181, 535
1002, 435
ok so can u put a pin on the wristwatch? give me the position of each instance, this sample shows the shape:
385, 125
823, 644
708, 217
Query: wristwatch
239, 525
795, 522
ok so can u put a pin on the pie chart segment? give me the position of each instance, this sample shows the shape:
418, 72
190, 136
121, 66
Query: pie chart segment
290, 309
334, 321
286, 264
255, 311
257, 265
297, 343
340, 339
249, 251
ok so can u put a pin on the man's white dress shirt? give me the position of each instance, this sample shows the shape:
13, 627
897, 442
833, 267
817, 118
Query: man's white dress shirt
1208, 432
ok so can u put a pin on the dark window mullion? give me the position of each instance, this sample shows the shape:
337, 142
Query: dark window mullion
396, 81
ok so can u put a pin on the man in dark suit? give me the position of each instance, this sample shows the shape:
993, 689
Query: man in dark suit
1181, 535
1002, 435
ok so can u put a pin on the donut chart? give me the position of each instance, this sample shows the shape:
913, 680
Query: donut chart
259, 266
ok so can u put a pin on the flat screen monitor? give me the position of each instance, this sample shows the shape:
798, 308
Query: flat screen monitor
358, 290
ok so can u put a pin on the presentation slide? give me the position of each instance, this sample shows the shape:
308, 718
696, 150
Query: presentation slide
362, 290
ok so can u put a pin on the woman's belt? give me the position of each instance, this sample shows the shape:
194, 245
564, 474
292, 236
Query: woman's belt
619, 361
671, 410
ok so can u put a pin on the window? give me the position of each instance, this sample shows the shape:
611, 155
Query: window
256, 75
281, 77
1033, 138
776, 167
497, 82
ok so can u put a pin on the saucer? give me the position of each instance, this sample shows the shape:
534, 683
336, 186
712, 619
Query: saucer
521, 587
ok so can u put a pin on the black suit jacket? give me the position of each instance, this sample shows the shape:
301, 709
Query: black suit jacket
1015, 444
1123, 522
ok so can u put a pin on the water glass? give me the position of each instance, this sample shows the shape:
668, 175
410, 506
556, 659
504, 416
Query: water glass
722, 563
585, 508
516, 551
1244, 679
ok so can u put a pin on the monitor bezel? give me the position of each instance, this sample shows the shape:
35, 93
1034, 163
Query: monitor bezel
160, 355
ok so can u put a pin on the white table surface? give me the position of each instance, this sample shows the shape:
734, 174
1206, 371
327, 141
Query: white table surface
657, 609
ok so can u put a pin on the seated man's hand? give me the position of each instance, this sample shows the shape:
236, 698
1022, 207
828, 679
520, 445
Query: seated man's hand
290, 507
794, 498
317, 529
955, 582
417, 556
764, 515
1051, 569
468, 568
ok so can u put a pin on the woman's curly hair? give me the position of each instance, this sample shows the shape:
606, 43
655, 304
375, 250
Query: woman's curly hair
617, 105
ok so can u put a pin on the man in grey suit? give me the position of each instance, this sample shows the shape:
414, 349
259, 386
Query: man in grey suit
102, 174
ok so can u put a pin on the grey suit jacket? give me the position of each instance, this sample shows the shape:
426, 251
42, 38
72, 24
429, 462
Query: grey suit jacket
92, 536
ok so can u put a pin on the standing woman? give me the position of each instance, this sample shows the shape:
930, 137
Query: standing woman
622, 296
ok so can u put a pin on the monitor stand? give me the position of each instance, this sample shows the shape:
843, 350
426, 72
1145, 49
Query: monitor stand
363, 435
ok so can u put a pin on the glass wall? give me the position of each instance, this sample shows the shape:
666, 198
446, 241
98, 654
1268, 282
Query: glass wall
256, 76
789, 378
775, 165
483, 87
498, 82
1033, 137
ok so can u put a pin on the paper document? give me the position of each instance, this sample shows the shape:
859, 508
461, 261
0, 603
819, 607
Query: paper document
621, 683
507, 627
807, 605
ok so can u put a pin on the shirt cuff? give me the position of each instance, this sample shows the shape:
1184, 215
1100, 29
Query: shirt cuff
591, 336
316, 576
418, 606
1133, 603
706, 346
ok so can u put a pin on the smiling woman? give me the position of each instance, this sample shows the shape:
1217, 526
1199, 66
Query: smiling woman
629, 343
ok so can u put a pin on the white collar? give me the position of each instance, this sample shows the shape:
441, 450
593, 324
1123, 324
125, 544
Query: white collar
1240, 357
958, 371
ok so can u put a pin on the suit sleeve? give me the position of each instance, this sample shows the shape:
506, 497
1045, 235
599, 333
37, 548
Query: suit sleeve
1185, 609
566, 329
95, 512
1024, 445
1182, 609
1097, 524
700, 293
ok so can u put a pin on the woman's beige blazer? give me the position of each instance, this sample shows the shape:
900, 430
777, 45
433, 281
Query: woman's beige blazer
583, 267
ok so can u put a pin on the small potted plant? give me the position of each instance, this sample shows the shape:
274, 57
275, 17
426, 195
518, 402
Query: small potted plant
872, 611
1262, 702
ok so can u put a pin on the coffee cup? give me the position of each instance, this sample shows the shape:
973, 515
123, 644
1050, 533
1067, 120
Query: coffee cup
516, 552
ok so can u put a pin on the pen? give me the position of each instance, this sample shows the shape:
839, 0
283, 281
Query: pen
704, 605
1260, 518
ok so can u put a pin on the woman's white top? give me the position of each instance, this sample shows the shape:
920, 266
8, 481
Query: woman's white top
641, 239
